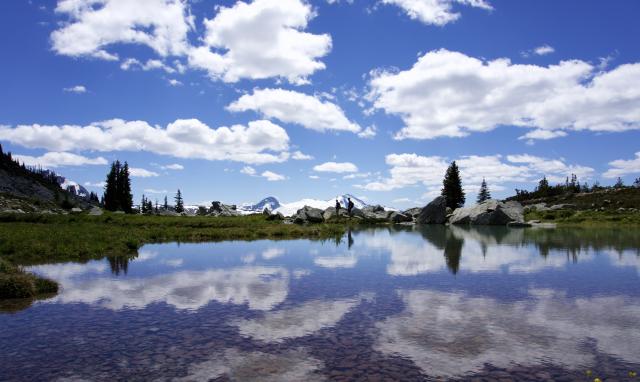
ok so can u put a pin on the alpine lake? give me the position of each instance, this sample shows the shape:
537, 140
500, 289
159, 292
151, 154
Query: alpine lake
380, 304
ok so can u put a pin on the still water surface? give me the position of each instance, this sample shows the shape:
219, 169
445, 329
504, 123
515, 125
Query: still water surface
380, 304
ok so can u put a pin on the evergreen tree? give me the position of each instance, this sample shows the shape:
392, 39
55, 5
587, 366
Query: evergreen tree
543, 187
179, 202
166, 204
111, 199
143, 204
484, 193
636, 183
619, 183
124, 189
452, 187
156, 210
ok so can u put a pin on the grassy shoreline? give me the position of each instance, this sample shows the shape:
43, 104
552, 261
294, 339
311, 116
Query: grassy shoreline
32, 239
588, 218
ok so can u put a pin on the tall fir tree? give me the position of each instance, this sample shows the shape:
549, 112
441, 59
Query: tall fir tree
111, 199
179, 202
143, 204
166, 204
484, 193
124, 189
117, 191
619, 183
452, 187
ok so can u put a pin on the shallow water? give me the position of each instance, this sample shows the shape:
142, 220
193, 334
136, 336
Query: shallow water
380, 304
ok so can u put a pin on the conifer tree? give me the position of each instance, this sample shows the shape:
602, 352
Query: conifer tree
166, 204
452, 187
143, 204
543, 186
124, 189
111, 199
619, 183
179, 202
484, 193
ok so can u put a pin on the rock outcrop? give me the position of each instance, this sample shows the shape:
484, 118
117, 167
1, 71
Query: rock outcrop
434, 212
489, 212
308, 215
220, 209
413, 212
399, 217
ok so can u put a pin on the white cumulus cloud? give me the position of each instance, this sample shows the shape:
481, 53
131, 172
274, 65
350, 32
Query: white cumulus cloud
336, 167
173, 166
261, 39
272, 176
94, 25
141, 173
78, 89
59, 159
294, 107
621, 167
258, 142
435, 12
451, 94
412, 169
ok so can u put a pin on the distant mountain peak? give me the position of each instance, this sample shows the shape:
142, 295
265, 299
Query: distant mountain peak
270, 202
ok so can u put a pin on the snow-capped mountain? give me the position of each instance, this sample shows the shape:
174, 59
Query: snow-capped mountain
73, 187
288, 209
270, 202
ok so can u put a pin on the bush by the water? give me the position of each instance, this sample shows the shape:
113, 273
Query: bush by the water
15, 283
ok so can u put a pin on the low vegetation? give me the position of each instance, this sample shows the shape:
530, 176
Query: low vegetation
586, 217
16, 283
30, 239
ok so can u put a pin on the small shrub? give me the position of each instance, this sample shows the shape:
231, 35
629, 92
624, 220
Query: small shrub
7, 267
16, 286
131, 244
45, 286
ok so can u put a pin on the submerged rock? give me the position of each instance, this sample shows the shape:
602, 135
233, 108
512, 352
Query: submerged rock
434, 212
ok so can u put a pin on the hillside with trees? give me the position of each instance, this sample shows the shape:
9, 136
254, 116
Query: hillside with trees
33, 188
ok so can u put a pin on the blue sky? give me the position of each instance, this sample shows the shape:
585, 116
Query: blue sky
372, 98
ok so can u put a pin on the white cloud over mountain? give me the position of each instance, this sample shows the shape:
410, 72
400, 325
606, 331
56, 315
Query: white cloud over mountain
294, 107
259, 142
59, 159
435, 12
261, 39
412, 169
451, 94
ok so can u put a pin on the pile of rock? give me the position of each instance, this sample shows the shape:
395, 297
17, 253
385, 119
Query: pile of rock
220, 209
368, 213
489, 212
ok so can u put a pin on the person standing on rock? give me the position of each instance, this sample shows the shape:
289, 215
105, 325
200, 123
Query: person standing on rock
349, 206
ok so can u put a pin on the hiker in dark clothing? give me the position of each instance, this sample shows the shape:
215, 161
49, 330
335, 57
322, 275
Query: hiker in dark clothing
349, 206
338, 206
